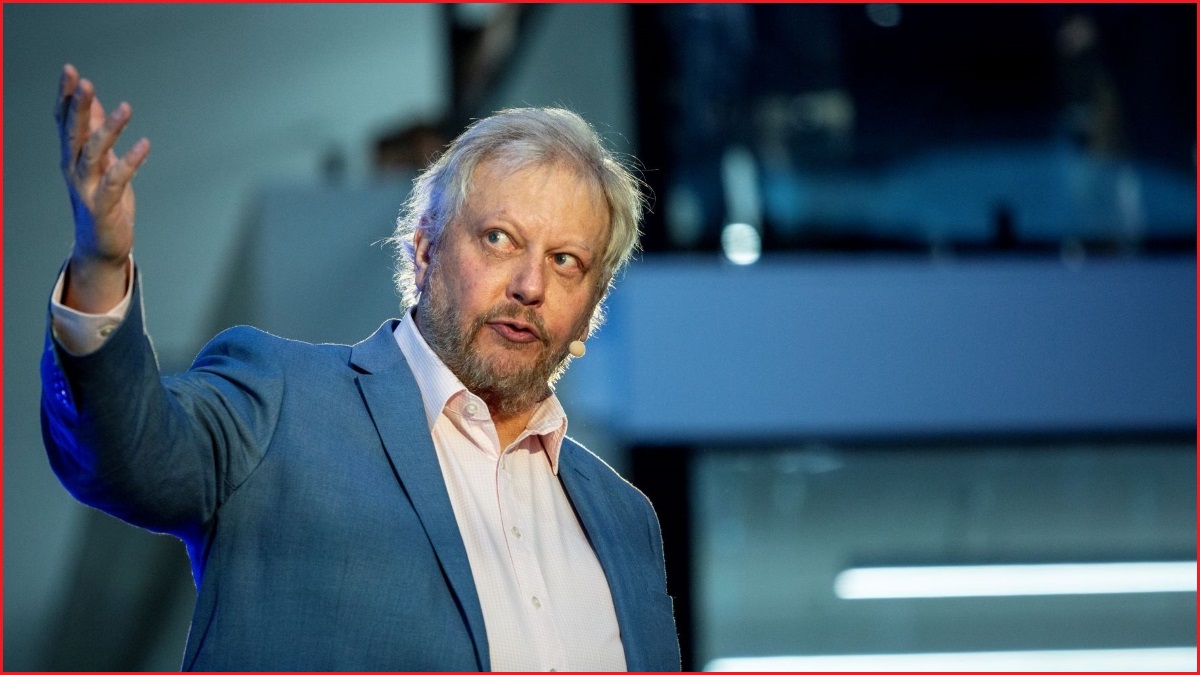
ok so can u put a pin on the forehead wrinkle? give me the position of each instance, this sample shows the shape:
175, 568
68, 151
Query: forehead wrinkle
501, 189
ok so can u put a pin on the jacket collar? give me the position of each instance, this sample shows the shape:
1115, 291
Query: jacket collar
602, 516
394, 401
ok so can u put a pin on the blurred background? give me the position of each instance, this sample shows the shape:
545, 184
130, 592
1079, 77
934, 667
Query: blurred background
913, 332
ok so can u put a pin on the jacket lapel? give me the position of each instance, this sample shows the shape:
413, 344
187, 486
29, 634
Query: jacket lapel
597, 513
394, 401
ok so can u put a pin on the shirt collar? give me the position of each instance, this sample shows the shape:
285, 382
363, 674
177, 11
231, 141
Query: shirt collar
438, 386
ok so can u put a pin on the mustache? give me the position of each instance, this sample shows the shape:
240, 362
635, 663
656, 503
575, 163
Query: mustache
514, 311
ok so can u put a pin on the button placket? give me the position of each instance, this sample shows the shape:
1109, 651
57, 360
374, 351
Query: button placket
516, 511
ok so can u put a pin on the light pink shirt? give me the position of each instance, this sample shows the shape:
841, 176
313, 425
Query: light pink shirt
546, 602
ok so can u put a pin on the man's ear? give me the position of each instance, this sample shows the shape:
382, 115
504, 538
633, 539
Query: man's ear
422, 258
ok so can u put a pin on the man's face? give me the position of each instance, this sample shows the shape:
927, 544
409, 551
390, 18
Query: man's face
513, 281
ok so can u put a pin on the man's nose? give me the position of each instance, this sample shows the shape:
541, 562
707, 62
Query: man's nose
528, 283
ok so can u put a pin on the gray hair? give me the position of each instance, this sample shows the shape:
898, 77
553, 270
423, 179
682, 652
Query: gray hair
520, 138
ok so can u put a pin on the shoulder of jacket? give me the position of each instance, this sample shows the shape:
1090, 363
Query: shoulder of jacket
595, 468
248, 342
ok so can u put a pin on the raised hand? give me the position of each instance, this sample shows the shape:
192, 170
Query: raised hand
101, 193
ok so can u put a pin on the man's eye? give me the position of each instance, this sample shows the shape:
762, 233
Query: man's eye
496, 237
565, 260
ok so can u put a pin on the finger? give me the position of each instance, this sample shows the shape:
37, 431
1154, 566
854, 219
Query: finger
115, 180
101, 141
66, 88
79, 119
95, 115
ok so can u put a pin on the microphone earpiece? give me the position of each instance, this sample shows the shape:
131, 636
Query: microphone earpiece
577, 348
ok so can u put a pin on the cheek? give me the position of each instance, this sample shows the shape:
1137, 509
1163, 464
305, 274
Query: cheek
476, 294
572, 320
479, 292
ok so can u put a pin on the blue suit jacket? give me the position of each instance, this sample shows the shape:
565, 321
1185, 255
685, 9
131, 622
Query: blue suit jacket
304, 482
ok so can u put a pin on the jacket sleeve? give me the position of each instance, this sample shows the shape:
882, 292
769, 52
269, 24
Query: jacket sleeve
159, 452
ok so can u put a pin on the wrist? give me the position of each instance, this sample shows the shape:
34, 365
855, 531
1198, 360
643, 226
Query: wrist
95, 285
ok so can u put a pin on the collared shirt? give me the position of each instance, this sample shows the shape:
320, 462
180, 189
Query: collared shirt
546, 602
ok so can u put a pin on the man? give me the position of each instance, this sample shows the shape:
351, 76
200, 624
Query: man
408, 503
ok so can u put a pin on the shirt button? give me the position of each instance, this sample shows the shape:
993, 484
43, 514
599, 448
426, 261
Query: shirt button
537, 604
515, 532
472, 409
107, 330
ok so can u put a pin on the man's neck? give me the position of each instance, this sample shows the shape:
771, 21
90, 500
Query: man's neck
511, 427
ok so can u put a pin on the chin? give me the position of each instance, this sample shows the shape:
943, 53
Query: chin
505, 355
510, 361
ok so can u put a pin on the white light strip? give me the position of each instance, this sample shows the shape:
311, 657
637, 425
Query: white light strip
1094, 660
993, 580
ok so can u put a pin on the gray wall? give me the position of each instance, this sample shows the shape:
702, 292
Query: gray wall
805, 346
232, 97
